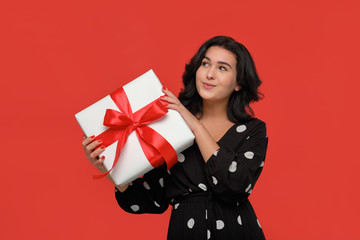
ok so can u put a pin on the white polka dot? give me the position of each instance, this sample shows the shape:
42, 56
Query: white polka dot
241, 128
258, 222
262, 164
237, 203
208, 234
247, 137
146, 185
205, 213
130, 183
190, 190
135, 208
215, 153
249, 155
249, 191
181, 157
233, 166
248, 188
176, 205
219, 224
239, 220
191, 223
156, 204
172, 200
161, 181
215, 181
202, 186
169, 171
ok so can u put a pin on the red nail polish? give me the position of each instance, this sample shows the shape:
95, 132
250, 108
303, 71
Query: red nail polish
164, 88
102, 157
92, 136
99, 140
102, 147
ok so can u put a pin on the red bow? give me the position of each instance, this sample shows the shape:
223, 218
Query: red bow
156, 148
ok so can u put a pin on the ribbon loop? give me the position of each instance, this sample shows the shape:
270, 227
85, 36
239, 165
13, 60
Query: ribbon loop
116, 119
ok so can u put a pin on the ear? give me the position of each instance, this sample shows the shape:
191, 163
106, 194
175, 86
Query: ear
237, 88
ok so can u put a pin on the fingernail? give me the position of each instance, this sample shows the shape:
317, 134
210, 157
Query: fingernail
102, 147
100, 141
164, 88
102, 157
92, 136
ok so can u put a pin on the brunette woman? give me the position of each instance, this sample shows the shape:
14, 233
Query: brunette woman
209, 187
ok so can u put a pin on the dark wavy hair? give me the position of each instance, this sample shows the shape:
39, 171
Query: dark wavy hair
239, 109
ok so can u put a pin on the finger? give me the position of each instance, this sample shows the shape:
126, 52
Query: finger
102, 159
88, 140
174, 107
170, 99
91, 146
167, 92
97, 152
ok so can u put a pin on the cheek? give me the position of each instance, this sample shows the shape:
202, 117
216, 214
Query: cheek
230, 84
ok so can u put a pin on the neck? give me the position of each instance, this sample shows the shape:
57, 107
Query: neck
212, 110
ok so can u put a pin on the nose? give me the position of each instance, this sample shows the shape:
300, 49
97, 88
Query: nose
210, 74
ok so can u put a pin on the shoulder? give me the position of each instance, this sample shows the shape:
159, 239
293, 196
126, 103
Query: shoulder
250, 125
242, 131
252, 128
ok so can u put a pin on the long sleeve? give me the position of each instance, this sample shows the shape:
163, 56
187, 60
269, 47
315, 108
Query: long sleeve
146, 194
233, 170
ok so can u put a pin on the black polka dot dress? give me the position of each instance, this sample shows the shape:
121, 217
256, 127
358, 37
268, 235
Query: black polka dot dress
209, 200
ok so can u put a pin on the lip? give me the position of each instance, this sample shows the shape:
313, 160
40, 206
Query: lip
208, 86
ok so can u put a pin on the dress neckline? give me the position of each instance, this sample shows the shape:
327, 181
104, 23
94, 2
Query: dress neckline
227, 131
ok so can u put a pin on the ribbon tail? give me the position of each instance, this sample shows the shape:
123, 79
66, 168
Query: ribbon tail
162, 146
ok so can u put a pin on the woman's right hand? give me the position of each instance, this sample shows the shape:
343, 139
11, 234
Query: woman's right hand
92, 154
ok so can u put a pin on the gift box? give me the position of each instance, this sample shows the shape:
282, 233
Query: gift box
138, 101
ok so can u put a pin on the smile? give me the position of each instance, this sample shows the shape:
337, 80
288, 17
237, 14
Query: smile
208, 86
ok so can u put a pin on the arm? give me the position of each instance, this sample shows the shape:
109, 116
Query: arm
144, 195
206, 143
232, 173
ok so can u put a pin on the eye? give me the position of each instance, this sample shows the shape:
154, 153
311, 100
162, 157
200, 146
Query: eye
204, 63
222, 68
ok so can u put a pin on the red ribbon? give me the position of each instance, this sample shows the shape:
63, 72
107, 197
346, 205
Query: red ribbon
156, 148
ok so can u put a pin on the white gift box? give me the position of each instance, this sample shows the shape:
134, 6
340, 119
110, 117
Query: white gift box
132, 162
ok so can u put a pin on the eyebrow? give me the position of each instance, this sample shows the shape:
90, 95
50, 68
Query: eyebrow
220, 62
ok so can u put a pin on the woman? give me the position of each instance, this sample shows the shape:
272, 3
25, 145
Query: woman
209, 187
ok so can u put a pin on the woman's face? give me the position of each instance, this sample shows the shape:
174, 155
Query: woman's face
216, 76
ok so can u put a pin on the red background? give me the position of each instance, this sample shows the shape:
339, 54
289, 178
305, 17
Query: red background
60, 57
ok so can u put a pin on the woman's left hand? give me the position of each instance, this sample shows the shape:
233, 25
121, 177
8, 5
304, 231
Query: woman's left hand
172, 102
